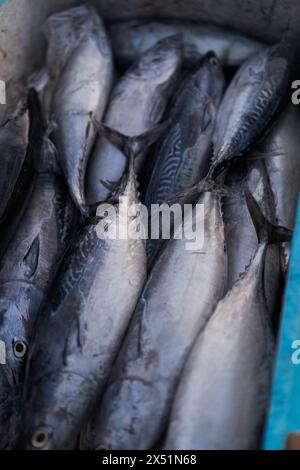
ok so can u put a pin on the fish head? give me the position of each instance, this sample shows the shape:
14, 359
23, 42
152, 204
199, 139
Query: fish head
17, 309
160, 63
208, 77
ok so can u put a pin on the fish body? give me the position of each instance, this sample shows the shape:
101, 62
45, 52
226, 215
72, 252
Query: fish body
223, 392
175, 304
14, 139
241, 238
137, 104
26, 273
79, 61
93, 298
281, 148
183, 155
132, 38
252, 99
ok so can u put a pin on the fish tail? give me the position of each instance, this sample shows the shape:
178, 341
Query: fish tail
205, 185
265, 230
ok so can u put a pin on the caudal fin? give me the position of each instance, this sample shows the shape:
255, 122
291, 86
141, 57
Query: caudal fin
265, 230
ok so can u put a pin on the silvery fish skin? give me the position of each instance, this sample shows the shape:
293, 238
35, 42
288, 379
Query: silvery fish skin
251, 100
93, 298
132, 38
136, 105
182, 158
284, 170
223, 393
14, 138
26, 273
240, 234
176, 303
80, 59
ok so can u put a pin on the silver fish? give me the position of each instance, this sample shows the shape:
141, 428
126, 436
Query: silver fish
183, 155
176, 303
79, 333
79, 59
240, 234
223, 393
26, 273
130, 39
14, 139
136, 105
281, 149
252, 100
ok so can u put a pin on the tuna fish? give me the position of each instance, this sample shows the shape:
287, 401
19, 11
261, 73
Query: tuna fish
281, 151
223, 393
95, 293
136, 105
26, 273
252, 99
132, 38
79, 61
14, 139
182, 158
240, 235
175, 305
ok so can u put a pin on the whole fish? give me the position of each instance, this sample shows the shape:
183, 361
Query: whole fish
14, 139
79, 61
281, 149
93, 298
132, 38
142, 94
252, 99
240, 234
223, 393
175, 305
26, 273
183, 156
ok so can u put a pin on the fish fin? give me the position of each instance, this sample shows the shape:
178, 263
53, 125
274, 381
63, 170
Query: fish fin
265, 230
205, 185
131, 147
111, 186
31, 258
256, 155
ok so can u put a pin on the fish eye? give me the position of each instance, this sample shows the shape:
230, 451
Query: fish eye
20, 349
40, 439
214, 61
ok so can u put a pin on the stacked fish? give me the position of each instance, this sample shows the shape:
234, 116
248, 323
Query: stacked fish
122, 344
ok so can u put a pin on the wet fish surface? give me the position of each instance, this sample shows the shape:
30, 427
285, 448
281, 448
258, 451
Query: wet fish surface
92, 301
183, 156
26, 273
281, 151
252, 99
175, 304
132, 38
137, 104
223, 393
79, 60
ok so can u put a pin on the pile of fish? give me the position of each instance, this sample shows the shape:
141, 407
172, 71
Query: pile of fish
122, 343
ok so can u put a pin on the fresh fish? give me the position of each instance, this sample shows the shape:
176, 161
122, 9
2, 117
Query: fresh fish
251, 100
130, 39
79, 59
176, 303
183, 156
240, 234
223, 393
281, 150
136, 105
26, 272
93, 298
14, 138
